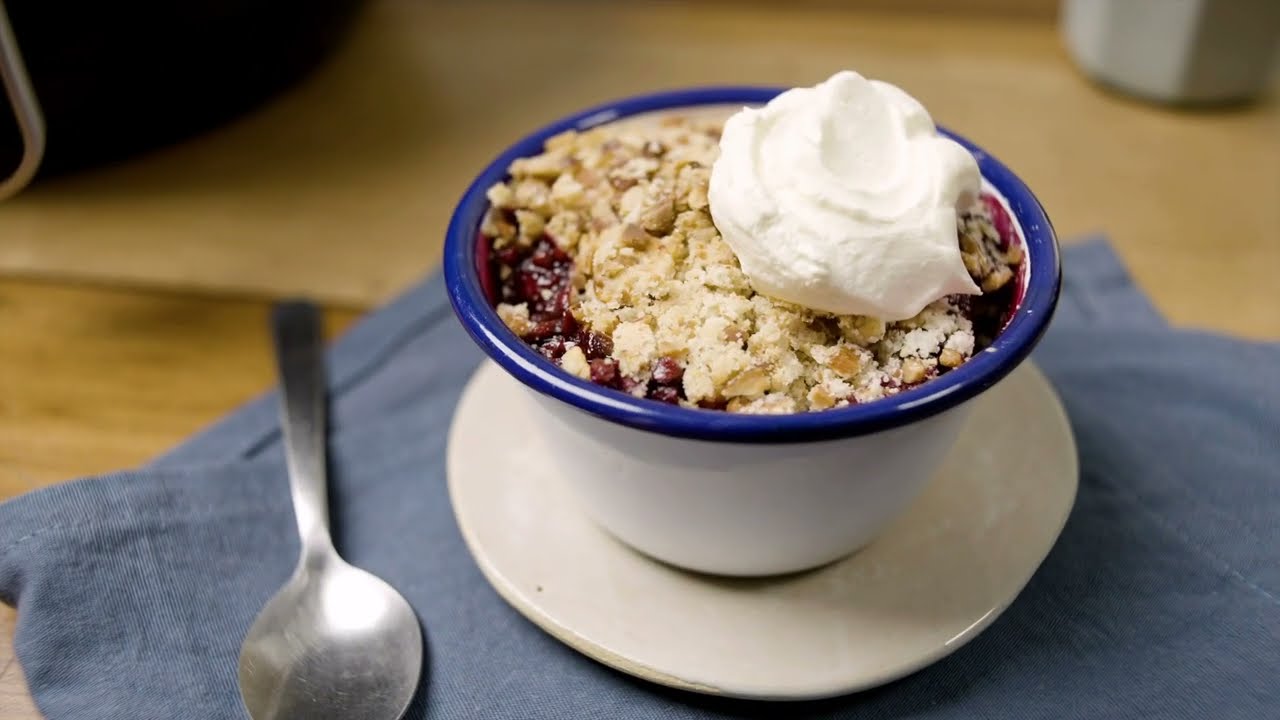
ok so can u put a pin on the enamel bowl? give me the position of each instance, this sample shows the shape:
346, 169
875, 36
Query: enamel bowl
737, 494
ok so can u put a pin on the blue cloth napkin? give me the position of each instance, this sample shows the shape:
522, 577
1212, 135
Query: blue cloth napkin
1160, 600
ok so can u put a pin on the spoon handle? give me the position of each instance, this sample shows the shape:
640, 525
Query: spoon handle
295, 327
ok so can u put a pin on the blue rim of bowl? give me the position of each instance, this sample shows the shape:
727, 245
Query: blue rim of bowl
1012, 346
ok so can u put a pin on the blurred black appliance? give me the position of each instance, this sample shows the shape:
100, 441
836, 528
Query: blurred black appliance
116, 78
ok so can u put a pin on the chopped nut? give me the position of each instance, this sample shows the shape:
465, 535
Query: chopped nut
630, 203
589, 178
658, 212
913, 371
1013, 254
691, 187
862, 330
997, 279
564, 228
500, 196
574, 362
615, 240
603, 216
820, 399
533, 195
622, 184
496, 225
633, 171
546, 166
975, 264
567, 192
562, 141
531, 223
691, 221
515, 317
748, 383
845, 362
950, 358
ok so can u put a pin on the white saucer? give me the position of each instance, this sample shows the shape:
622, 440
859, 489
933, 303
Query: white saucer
933, 581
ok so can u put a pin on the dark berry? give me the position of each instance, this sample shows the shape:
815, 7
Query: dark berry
553, 348
530, 285
544, 329
604, 372
665, 394
568, 324
547, 255
667, 371
595, 345
560, 301
509, 255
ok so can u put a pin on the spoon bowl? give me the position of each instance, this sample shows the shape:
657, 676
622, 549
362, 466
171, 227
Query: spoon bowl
335, 641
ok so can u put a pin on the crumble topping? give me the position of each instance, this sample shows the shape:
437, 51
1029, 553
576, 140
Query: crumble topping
610, 264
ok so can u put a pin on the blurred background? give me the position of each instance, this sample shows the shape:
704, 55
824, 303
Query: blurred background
266, 147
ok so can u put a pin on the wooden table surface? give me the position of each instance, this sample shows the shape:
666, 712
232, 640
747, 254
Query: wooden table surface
133, 298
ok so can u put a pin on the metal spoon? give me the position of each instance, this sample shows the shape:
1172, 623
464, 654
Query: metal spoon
335, 641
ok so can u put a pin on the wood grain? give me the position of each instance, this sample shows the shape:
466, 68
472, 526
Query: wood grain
98, 379
343, 187
15, 701
94, 379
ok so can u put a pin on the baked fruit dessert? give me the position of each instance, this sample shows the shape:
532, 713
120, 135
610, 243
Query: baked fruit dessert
741, 263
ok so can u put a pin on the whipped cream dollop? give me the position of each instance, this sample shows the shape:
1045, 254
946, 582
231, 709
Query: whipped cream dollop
843, 198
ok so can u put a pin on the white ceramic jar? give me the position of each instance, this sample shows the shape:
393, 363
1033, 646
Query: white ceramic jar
1176, 51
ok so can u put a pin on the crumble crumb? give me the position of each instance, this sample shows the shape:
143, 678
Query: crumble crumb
611, 265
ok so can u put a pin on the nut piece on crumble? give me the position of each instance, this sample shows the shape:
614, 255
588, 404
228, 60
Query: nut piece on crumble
609, 264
